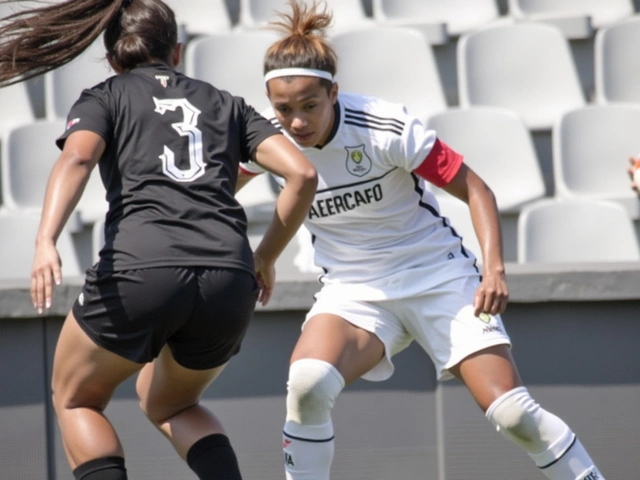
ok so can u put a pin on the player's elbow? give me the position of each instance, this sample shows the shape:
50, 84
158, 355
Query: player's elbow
304, 176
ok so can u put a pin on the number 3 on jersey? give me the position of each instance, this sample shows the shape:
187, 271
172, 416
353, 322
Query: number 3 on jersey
186, 128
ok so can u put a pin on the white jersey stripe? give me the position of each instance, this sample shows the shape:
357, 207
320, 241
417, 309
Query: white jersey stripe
373, 126
359, 113
349, 185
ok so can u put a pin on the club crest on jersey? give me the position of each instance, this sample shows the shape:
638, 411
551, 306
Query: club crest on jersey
162, 79
358, 162
485, 317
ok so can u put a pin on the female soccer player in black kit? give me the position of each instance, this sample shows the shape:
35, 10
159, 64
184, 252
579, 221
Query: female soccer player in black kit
176, 284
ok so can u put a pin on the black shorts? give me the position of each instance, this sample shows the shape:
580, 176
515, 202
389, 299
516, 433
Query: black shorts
202, 314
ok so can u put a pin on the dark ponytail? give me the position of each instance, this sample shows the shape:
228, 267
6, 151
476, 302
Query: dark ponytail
36, 40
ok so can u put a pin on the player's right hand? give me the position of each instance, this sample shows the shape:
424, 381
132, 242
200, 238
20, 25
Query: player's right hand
266, 277
45, 272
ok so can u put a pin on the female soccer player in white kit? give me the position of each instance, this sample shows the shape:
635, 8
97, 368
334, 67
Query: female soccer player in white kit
395, 271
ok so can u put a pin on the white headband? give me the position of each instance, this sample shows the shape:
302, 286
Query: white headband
303, 72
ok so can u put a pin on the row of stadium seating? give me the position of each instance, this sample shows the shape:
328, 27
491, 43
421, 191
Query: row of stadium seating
502, 49
441, 19
524, 67
518, 87
548, 231
591, 145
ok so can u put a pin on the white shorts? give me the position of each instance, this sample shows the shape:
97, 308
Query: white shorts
441, 321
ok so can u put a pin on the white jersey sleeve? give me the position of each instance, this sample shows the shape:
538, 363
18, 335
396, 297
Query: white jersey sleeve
419, 150
410, 150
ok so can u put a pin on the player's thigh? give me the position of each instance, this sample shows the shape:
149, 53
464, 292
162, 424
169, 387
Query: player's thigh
165, 387
488, 374
358, 338
352, 350
85, 374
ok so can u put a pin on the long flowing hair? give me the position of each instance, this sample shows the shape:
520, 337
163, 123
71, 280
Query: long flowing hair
40, 38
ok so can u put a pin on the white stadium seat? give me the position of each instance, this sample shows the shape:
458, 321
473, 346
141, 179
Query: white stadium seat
17, 237
459, 16
16, 107
591, 147
576, 231
402, 68
17, 110
496, 144
525, 67
28, 153
258, 198
201, 17
601, 12
617, 66
63, 86
233, 62
347, 14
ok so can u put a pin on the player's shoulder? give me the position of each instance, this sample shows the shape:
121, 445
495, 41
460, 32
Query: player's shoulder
270, 115
372, 113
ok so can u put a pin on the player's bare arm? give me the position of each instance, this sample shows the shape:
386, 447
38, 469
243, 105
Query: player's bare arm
279, 156
68, 178
492, 295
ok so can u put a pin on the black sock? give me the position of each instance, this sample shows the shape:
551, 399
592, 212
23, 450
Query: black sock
106, 468
213, 458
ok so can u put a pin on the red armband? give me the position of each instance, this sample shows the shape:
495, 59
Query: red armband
248, 172
441, 165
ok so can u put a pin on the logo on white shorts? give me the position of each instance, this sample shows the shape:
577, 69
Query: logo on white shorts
492, 325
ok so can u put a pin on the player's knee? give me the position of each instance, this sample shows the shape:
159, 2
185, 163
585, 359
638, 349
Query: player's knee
161, 412
515, 415
312, 389
519, 418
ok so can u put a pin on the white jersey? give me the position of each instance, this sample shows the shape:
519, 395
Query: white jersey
377, 230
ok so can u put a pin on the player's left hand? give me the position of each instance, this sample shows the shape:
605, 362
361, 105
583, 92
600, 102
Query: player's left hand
45, 272
492, 295
266, 277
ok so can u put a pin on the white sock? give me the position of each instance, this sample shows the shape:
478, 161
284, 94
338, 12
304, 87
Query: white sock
308, 445
308, 451
576, 459
547, 439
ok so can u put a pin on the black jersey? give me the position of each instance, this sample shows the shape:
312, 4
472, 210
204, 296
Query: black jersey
170, 168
